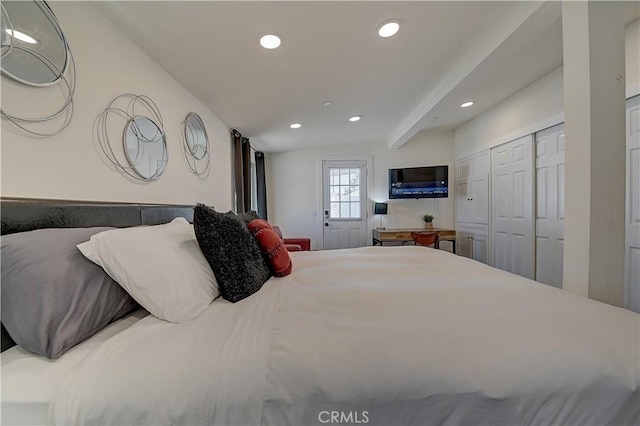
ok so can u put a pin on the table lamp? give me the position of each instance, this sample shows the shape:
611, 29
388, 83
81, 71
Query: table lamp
380, 209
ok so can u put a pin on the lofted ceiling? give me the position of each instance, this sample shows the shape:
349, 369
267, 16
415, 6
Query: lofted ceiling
444, 54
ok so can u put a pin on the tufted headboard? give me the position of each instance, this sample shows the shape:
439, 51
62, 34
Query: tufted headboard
28, 214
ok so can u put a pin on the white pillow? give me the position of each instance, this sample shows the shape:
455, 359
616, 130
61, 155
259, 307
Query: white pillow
161, 266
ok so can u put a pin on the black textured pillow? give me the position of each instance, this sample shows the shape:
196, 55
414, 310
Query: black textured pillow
248, 217
232, 252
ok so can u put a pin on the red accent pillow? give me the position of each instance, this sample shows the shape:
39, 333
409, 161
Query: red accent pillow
271, 245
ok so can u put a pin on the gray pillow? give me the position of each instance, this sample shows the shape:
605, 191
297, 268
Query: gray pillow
52, 296
232, 252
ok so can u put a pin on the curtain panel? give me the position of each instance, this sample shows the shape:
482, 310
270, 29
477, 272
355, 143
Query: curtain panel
243, 178
261, 185
239, 172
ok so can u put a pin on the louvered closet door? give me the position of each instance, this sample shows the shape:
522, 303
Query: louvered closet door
512, 202
632, 261
550, 205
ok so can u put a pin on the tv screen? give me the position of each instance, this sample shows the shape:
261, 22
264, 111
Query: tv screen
419, 182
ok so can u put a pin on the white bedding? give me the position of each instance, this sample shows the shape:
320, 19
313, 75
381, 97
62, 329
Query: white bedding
28, 380
390, 335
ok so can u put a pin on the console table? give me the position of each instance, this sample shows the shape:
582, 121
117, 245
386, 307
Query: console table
403, 236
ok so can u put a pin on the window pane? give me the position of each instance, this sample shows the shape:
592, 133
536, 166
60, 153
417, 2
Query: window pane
344, 176
344, 193
355, 177
355, 193
344, 210
334, 193
335, 210
355, 210
335, 176
345, 200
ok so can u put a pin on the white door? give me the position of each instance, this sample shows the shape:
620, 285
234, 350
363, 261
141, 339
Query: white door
464, 244
632, 255
550, 205
472, 200
463, 169
480, 248
512, 202
473, 246
344, 188
480, 199
463, 197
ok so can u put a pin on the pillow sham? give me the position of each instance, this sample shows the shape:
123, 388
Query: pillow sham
272, 246
53, 297
160, 266
232, 252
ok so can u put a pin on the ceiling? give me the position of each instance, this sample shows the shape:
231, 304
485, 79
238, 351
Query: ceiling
444, 54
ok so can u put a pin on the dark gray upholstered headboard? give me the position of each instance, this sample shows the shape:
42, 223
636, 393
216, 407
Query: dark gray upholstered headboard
25, 214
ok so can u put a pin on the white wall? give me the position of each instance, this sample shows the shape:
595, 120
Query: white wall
292, 187
537, 106
67, 166
534, 108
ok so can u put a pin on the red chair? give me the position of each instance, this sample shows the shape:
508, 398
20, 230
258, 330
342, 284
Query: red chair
428, 239
294, 244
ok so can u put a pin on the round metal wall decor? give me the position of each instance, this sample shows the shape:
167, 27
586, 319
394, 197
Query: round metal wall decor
144, 146
38, 48
196, 145
35, 52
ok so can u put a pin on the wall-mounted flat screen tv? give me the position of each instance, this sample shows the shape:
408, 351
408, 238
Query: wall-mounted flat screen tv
419, 182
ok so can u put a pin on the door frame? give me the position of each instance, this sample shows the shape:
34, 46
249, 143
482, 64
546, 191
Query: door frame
320, 195
631, 102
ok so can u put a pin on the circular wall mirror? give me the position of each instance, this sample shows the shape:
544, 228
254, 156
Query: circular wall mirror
5, 38
145, 147
144, 143
195, 145
36, 48
195, 135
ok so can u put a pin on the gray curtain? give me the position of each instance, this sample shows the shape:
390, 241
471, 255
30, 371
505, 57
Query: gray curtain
242, 172
261, 185
246, 175
242, 175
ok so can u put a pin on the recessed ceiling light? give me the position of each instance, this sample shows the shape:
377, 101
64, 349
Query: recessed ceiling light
21, 36
296, 125
355, 118
327, 103
389, 28
270, 41
466, 104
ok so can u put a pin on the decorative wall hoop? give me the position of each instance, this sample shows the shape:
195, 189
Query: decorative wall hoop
24, 27
144, 146
195, 145
6, 40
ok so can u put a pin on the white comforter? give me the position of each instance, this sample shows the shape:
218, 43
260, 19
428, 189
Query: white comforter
377, 335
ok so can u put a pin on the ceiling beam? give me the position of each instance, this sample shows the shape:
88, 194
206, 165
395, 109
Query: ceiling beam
514, 17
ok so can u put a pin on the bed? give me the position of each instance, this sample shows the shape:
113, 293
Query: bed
374, 335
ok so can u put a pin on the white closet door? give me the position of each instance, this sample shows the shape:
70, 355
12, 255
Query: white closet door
463, 201
480, 248
512, 201
480, 199
632, 261
550, 205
